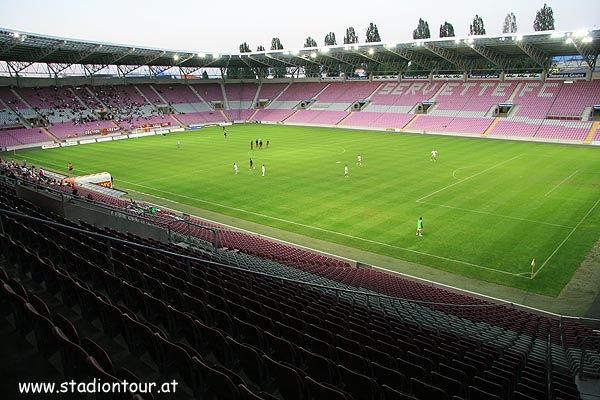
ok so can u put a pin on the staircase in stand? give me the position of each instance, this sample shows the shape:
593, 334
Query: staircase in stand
591, 132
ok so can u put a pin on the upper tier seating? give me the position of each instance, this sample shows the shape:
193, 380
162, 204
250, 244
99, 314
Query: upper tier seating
575, 97
209, 92
11, 99
151, 95
402, 96
534, 99
339, 92
471, 99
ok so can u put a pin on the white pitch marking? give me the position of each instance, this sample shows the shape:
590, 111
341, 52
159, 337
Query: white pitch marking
467, 178
326, 230
567, 238
560, 183
496, 215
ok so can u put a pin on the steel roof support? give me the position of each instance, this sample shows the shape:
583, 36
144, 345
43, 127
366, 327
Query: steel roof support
452, 57
537, 55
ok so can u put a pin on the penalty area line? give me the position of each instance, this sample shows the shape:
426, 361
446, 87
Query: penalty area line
467, 178
560, 183
565, 240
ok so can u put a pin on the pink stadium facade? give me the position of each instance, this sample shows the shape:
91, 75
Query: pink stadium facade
551, 110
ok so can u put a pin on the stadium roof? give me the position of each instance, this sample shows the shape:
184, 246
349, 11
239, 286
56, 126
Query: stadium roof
509, 52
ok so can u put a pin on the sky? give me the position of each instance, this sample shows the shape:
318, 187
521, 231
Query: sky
206, 26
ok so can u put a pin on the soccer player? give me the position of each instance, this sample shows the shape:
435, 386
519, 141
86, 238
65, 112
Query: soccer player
224, 133
359, 160
178, 144
251, 145
264, 170
251, 165
346, 171
420, 227
434, 155
70, 167
235, 168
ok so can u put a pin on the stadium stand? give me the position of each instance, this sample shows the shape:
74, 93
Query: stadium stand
402, 97
23, 136
316, 117
227, 324
377, 120
471, 99
542, 111
430, 123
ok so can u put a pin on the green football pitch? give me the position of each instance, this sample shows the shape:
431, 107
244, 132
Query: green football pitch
489, 207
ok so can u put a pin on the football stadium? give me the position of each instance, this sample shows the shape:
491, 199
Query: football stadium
412, 220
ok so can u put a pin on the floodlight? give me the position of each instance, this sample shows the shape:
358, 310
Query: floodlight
16, 35
325, 49
558, 35
587, 39
201, 55
457, 40
216, 55
175, 57
371, 51
580, 33
569, 41
518, 38
313, 54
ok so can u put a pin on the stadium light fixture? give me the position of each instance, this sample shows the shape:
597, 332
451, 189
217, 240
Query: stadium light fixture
557, 35
313, 54
569, 40
457, 40
325, 49
216, 55
518, 38
201, 55
580, 33
176, 57
371, 51
587, 39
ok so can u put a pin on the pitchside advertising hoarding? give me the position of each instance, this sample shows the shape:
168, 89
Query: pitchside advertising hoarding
101, 178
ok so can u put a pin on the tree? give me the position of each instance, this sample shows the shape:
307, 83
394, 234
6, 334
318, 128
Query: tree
351, 36
422, 31
311, 69
477, 27
373, 34
446, 30
260, 47
278, 72
544, 19
310, 42
330, 39
510, 23
245, 48
276, 44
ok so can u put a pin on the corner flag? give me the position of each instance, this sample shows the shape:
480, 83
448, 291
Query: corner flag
532, 266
